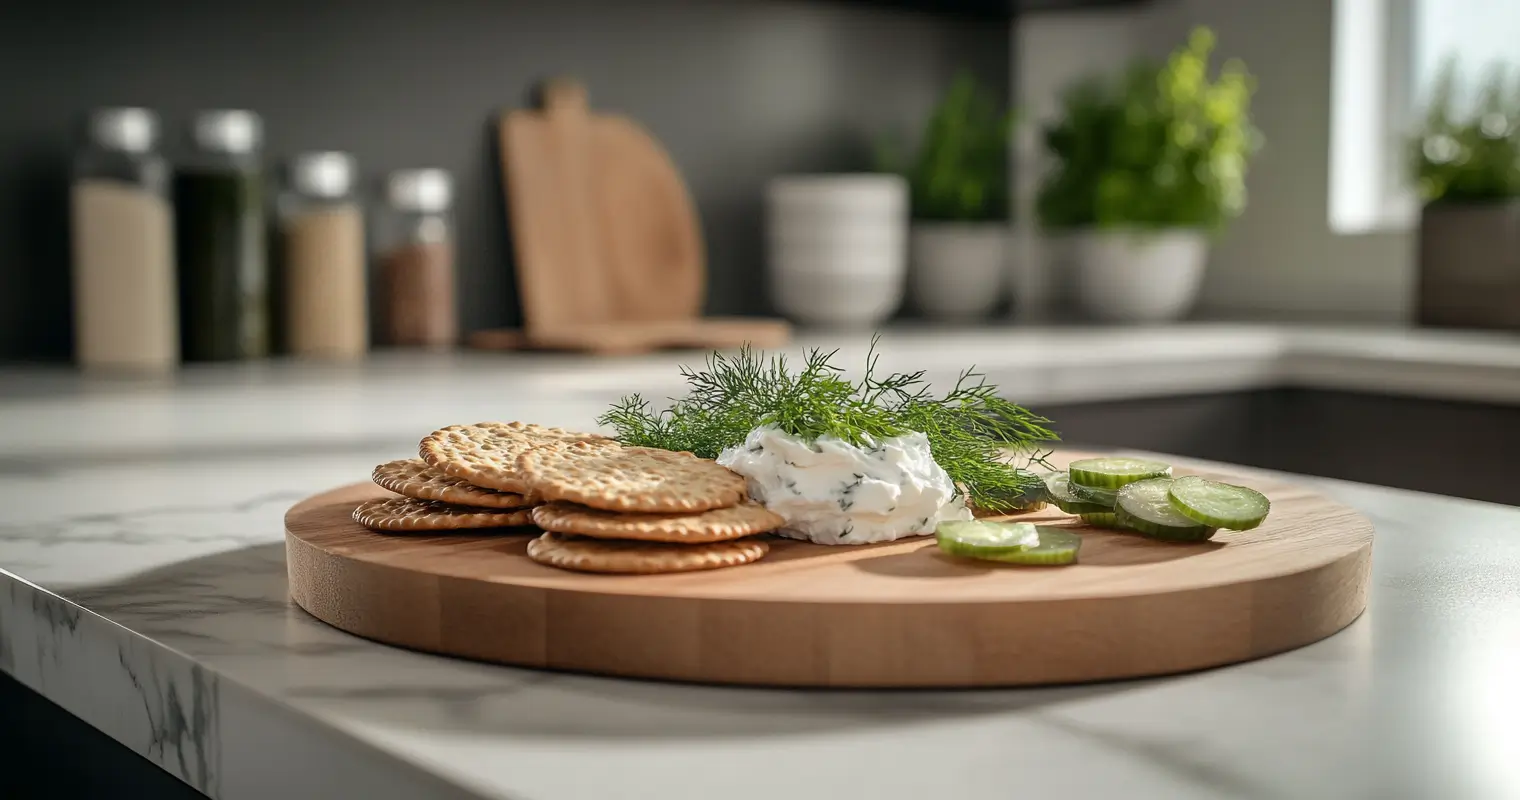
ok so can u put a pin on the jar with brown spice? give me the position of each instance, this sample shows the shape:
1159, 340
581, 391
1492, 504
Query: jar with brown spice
418, 301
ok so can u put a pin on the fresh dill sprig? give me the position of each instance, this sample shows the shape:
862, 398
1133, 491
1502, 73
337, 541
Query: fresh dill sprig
970, 429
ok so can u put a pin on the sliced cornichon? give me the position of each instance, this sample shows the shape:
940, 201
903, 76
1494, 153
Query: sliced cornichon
1146, 507
1104, 498
1015, 542
1218, 505
1058, 489
1026, 504
1115, 471
1029, 497
1032, 498
1103, 519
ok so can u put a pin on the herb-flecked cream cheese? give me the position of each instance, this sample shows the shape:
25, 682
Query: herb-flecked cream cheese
833, 492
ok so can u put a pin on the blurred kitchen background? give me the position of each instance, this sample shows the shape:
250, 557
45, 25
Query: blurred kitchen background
571, 185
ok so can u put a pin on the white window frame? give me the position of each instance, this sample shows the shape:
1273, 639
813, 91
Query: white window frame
1372, 112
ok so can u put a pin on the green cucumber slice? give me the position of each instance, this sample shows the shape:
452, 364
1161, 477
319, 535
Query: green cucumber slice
1145, 507
1017, 542
1099, 497
1117, 471
1058, 489
980, 539
1218, 505
1056, 548
1103, 519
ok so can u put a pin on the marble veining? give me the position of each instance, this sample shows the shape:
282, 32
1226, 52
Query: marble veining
142, 588
186, 734
155, 701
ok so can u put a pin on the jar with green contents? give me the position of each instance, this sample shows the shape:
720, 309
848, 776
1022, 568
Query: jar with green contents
221, 240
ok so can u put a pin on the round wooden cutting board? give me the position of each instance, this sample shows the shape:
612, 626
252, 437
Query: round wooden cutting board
893, 615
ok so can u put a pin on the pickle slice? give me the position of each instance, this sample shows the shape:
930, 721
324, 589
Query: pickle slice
1058, 489
1116, 471
1146, 507
1008, 542
1218, 505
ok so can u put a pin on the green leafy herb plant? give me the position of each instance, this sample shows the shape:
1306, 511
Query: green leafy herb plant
971, 429
1471, 155
1157, 147
960, 170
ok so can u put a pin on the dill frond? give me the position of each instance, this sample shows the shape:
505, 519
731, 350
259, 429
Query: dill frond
970, 429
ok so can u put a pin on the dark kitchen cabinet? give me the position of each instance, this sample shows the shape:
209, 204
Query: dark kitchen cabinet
996, 8
1458, 449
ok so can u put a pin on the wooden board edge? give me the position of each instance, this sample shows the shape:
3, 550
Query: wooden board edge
646, 646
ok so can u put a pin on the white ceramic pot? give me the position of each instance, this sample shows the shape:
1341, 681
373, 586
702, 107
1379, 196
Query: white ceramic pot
837, 247
1041, 283
1138, 276
959, 269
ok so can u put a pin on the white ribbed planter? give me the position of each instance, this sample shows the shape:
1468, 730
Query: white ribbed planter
837, 247
1138, 276
959, 270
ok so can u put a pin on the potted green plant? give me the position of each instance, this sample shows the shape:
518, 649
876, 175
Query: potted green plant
958, 197
1147, 165
1466, 166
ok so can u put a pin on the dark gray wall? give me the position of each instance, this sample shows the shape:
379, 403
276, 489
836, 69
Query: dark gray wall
737, 90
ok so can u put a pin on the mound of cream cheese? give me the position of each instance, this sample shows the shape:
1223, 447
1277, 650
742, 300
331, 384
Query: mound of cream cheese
833, 492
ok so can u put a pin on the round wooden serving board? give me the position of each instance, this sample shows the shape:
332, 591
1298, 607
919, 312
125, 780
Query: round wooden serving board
893, 615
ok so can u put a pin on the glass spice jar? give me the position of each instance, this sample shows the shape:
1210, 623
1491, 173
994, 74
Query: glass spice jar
418, 296
221, 244
324, 277
122, 244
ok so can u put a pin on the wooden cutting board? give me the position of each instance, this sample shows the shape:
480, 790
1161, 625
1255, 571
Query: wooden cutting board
610, 256
892, 615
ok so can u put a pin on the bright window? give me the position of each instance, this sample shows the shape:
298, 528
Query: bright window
1387, 53
1477, 33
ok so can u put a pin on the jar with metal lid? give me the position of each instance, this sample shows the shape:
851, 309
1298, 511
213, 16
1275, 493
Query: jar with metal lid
220, 232
419, 301
122, 242
324, 277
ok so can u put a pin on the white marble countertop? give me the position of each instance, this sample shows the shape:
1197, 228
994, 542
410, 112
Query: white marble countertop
143, 589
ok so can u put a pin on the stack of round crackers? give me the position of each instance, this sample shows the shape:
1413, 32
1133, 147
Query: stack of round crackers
603, 507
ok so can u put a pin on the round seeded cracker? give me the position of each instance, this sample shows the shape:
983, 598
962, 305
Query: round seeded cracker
716, 525
611, 477
412, 477
406, 515
641, 558
485, 454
